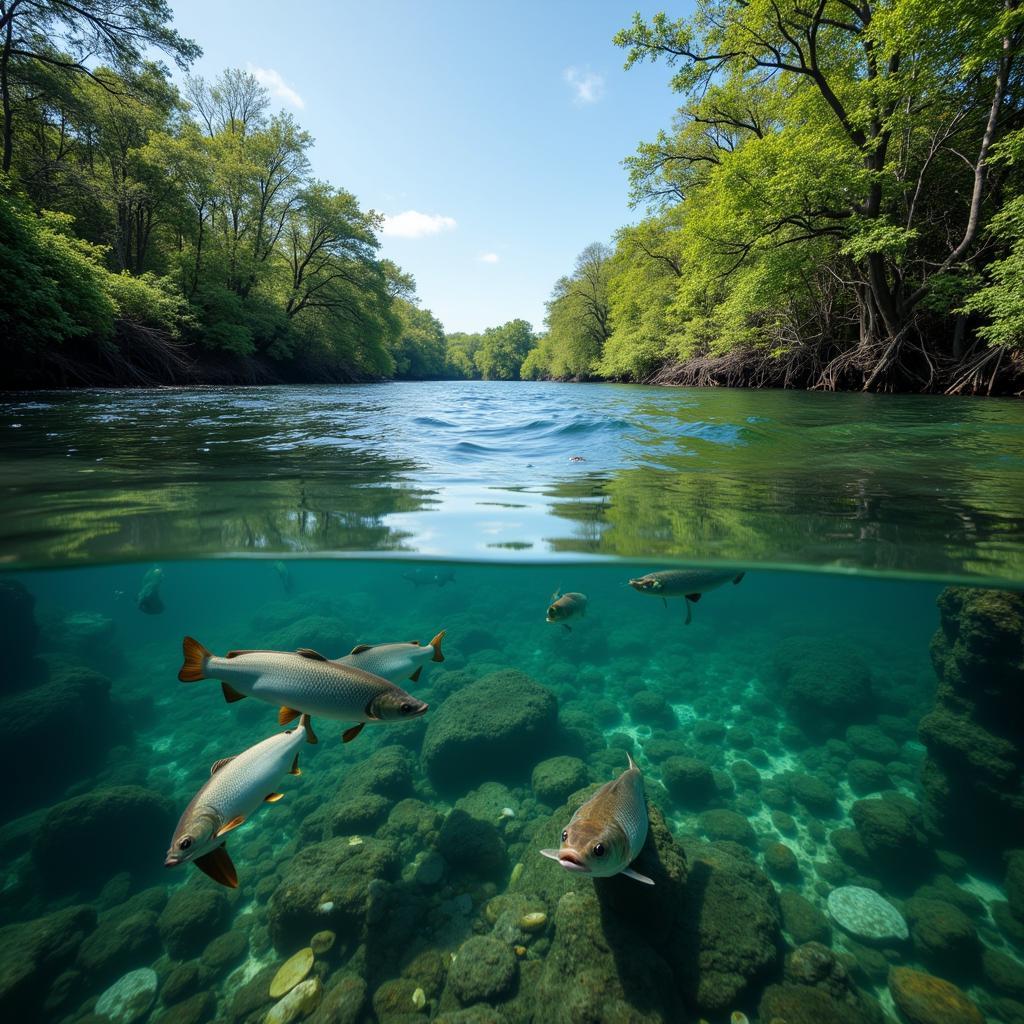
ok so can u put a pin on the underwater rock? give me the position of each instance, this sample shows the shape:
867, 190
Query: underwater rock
484, 970
727, 825
412, 826
924, 999
389, 771
322, 942
497, 728
223, 951
396, 999
196, 1009
781, 862
329, 885
18, 634
942, 934
89, 637
125, 935
891, 828
1003, 972
866, 915
866, 776
322, 633
472, 845
802, 919
850, 847
291, 972
194, 914
823, 683
182, 982
689, 781
299, 1002
251, 997
129, 998
84, 825
650, 708
973, 774
33, 954
557, 778
746, 775
343, 1000
811, 792
349, 816
870, 742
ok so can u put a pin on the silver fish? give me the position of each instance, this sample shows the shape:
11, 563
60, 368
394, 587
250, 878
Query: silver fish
394, 662
235, 790
565, 607
302, 682
686, 583
607, 833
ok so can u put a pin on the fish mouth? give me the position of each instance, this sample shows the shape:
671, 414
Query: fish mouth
422, 711
171, 862
570, 860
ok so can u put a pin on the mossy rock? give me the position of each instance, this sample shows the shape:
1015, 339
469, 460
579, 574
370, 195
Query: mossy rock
557, 778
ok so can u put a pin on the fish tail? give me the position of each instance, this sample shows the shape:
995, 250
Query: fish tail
196, 657
739, 576
306, 724
632, 763
436, 644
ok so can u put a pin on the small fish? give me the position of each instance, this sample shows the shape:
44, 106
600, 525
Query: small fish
690, 584
566, 607
426, 578
285, 576
394, 662
148, 598
236, 788
303, 682
608, 832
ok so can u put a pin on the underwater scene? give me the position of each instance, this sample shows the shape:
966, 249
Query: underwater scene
554, 780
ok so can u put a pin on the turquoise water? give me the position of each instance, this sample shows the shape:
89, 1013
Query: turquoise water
854, 720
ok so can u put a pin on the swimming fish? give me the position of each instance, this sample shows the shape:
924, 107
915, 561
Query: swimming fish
607, 833
285, 576
425, 578
148, 598
394, 662
565, 607
236, 788
690, 584
302, 682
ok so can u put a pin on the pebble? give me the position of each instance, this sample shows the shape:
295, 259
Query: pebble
322, 942
533, 922
291, 972
299, 1002
419, 999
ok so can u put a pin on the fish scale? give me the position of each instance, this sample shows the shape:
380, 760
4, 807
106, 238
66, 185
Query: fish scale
242, 783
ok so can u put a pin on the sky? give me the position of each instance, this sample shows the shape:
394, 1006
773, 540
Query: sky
490, 136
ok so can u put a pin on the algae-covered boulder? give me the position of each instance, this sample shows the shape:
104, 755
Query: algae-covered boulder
329, 885
689, 781
495, 728
727, 825
125, 935
824, 684
973, 775
924, 999
194, 914
866, 776
343, 1000
557, 778
129, 998
33, 954
484, 970
650, 708
801, 919
891, 828
472, 845
943, 935
322, 633
73, 848
389, 771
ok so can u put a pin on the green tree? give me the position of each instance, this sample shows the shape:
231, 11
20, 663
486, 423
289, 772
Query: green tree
503, 350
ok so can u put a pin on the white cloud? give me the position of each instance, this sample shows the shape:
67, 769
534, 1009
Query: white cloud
587, 85
413, 224
278, 87
489, 257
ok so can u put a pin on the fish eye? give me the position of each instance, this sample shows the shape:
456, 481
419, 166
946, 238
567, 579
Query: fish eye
565, 836
406, 708
185, 842
599, 849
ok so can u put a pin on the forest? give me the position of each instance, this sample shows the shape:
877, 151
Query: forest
837, 204
151, 234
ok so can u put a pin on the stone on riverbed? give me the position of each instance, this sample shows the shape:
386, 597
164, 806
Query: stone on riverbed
866, 915
129, 998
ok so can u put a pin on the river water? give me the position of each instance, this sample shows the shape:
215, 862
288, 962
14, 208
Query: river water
842, 709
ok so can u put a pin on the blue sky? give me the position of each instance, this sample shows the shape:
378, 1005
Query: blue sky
491, 135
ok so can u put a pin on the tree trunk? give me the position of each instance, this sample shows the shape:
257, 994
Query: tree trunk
5, 93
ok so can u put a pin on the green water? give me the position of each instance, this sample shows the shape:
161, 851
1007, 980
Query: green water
852, 720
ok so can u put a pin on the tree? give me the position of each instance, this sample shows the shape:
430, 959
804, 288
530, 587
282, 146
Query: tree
503, 350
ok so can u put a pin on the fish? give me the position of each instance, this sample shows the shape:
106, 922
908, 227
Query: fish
608, 831
148, 598
566, 607
235, 790
394, 662
303, 682
690, 584
425, 578
285, 576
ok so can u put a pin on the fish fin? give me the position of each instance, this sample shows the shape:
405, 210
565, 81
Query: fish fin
554, 596
664, 601
286, 715
630, 873
350, 734
312, 655
230, 693
693, 597
217, 864
436, 644
230, 826
415, 643
415, 677
217, 765
250, 650
566, 626
196, 655
359, 648
310, 735
272, 798
689, 613
736, 579
632, 763
295, 769
553, 854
